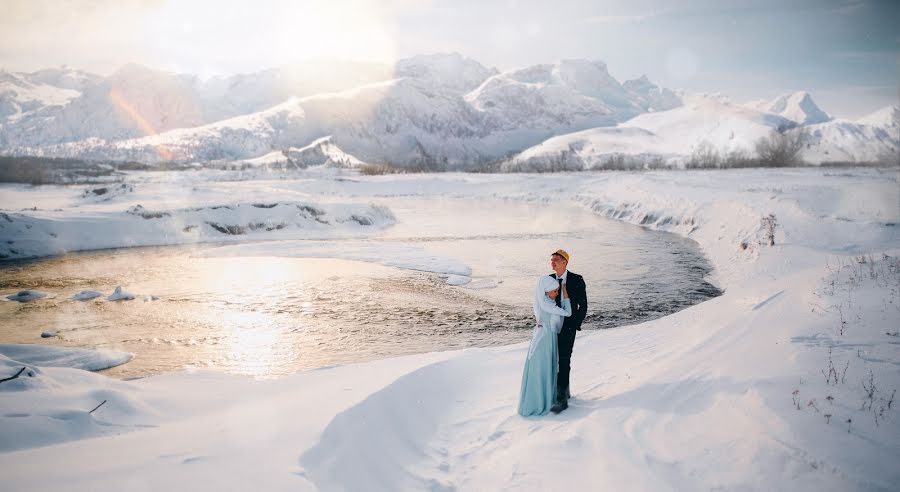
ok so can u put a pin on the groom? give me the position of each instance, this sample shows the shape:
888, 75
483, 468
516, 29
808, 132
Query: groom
559, 262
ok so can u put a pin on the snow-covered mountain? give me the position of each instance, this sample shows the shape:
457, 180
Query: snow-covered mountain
138, 101
25, 94
133, 101
796, 106
650, 96
569, 95
64, 78
421, 118
451, 70
322, 152
712, 124
226, 97
428, 111
670, 136
872, 138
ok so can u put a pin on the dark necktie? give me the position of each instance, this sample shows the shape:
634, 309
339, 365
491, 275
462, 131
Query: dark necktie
559, 294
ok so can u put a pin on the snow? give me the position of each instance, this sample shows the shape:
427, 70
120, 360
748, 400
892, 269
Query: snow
150, 217
728, 394
847, 141
726, 126
585, 149
323, 152
75, 358
887, 116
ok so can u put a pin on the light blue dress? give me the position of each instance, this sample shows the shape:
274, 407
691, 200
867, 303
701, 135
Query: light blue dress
538, 390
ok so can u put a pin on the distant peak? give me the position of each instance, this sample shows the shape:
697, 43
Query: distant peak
446, 69
797, 106
641, 82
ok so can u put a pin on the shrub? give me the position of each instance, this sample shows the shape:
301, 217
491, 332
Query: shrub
781, 148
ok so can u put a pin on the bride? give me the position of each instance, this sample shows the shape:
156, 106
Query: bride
538, 390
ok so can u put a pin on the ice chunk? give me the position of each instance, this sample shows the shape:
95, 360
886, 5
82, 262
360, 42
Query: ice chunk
86, 295
120, 295
27, 295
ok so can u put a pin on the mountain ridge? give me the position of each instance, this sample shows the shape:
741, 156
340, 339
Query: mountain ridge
437, 111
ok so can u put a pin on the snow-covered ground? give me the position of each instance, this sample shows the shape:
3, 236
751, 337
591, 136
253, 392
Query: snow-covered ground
785, 382
54, 220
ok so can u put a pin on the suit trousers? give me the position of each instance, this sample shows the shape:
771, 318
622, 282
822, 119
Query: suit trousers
565, 343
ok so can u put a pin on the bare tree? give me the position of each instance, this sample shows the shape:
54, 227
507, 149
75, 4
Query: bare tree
781, 148
705, 156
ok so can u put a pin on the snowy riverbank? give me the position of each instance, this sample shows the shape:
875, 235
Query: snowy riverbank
737, 392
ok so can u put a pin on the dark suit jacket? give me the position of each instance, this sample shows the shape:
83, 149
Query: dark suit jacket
578, 297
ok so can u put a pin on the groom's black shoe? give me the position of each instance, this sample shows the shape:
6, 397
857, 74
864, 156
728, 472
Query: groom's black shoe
560, 405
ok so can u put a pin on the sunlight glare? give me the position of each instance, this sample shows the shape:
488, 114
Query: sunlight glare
267, 33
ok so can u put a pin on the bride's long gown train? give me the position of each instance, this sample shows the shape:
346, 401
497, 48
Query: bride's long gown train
538, 391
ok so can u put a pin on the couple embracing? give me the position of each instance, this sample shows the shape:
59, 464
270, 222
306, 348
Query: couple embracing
560, 304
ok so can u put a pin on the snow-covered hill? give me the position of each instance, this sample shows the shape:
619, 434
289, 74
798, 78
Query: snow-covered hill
322, 152
888, 116
873, 138
727, 127
712, 124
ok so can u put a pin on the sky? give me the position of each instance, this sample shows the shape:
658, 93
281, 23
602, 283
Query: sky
845, 53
